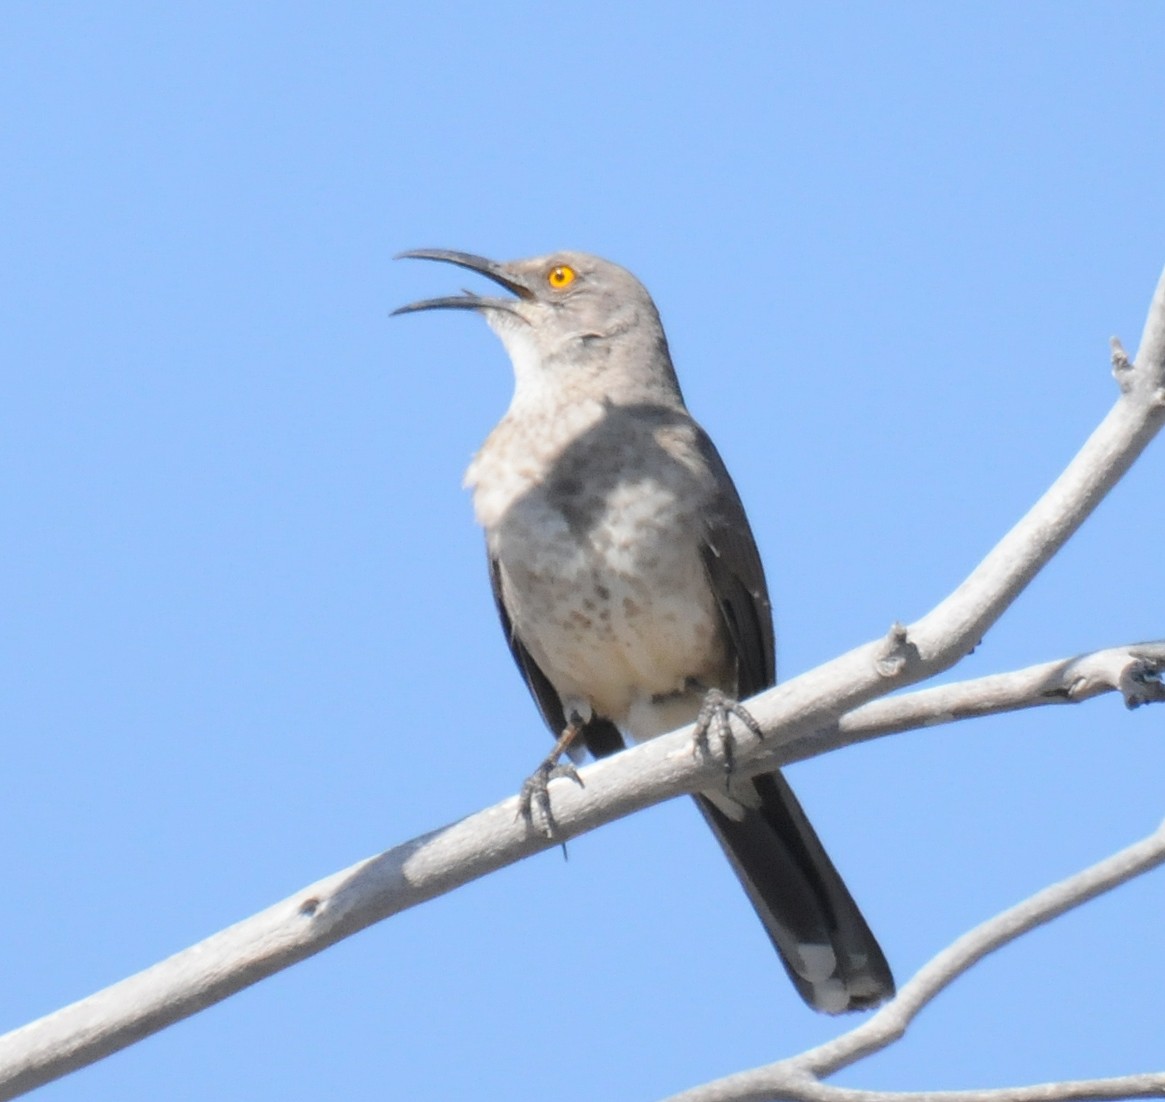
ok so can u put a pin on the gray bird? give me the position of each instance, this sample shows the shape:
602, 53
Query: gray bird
629, 585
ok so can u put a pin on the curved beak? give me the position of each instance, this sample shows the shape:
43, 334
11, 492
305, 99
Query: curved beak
467, 300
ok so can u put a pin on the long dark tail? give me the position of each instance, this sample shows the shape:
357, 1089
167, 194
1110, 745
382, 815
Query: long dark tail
823, 941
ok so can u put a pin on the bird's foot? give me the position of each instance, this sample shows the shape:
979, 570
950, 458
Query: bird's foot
715, 713
535, 793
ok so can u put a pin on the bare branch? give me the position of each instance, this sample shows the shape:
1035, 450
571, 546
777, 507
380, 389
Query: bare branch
891, 1021
798, 1077
953, 628
348, 901
797, 1087
1133, 671
319, 915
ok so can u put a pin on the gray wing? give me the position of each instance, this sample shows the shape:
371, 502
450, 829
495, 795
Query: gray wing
737, 578
823, 940
600, 736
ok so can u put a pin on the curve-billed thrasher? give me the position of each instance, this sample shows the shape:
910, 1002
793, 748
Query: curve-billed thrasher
629, 585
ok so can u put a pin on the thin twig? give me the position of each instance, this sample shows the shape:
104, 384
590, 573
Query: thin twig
799, 1088
799, 1076
1134, 671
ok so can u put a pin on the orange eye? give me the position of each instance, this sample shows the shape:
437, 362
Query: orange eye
560, 276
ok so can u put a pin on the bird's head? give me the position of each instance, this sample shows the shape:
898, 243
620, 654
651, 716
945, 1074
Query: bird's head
570, 313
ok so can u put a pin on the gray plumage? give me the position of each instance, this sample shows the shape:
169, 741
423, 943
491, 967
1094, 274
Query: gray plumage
628, 582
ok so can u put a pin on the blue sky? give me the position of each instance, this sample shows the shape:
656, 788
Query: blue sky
247, 634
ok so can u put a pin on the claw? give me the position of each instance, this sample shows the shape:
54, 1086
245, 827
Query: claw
714, 713
535, 793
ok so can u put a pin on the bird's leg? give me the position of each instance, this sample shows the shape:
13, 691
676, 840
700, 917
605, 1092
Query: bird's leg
714, 714
535, 791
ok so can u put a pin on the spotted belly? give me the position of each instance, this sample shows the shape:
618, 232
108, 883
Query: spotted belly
618, 616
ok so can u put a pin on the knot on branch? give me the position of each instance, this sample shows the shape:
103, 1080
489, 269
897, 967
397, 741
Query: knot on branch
1122, 366
1140, 682
1126, 374
895, 652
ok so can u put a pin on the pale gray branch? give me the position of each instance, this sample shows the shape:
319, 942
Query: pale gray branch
944, 635
318, 916
1133, 671
348, 901
798, 1077
795, 1087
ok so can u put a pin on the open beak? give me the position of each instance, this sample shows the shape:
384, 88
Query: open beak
467, 300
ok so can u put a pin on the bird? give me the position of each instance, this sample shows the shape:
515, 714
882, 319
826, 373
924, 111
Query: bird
629, 585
